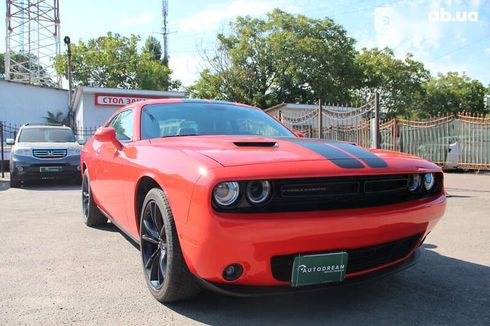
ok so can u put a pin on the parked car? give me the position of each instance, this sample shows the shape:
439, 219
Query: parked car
443, 150
42, 152
222, 195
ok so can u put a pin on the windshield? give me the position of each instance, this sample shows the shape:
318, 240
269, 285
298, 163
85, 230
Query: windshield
46, 135
185, 119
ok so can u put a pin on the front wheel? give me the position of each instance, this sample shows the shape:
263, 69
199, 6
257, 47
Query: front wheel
165, 270
14, 181
92, 215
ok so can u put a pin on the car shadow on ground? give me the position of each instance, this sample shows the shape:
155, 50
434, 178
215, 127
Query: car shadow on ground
51, 185
437, 290
110, 227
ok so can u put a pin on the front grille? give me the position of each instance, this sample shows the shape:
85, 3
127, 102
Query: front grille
329, 193
360, 259
49, 153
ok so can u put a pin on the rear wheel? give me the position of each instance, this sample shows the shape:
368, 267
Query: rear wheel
165, 270
92, 215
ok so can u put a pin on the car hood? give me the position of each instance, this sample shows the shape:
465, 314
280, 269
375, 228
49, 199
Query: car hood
247, 150
47, 145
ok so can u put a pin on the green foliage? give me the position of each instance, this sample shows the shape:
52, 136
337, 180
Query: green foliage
399, 82
452, 93
282, 58
289, 58
114, 61
153, 48
2, 66
57, 118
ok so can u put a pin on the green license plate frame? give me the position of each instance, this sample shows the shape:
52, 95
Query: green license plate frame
319, 268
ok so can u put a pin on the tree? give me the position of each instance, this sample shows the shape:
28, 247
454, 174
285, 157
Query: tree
282, 58
57, 118
399, 82
2, 66
452, 93
153, 48
114, 61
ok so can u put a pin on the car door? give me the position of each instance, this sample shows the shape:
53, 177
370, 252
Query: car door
110, 167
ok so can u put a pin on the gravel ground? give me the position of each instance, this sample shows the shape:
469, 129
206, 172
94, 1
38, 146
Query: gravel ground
54, 270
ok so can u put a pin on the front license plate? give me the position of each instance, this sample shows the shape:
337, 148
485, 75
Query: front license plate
319, 268
49, 169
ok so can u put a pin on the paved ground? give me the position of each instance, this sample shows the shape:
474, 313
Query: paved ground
53, 270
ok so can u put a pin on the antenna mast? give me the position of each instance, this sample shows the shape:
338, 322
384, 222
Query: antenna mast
165, 31
32, 41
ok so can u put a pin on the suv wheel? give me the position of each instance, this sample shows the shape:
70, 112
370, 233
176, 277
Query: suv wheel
14, 181
92, 215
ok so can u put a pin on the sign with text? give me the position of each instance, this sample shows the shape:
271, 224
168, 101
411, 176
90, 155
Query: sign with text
117, 100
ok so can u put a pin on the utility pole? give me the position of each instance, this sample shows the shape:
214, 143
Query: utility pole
165, 31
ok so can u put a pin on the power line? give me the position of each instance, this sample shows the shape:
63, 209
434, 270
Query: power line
459, 48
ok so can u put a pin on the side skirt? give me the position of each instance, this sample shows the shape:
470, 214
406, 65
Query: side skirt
128, 235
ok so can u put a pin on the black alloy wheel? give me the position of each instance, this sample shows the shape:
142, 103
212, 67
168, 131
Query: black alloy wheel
85, 196
166, 272
92, 215
154, 245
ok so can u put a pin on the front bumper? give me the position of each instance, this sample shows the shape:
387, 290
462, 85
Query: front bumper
29, 168
211, 241
248, 291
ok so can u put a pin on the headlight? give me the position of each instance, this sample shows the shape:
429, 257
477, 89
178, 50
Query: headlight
258, 192
226, 194
22, 151
414, 181
74, 151
429, 181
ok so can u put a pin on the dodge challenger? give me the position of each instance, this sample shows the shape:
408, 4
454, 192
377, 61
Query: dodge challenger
221, 195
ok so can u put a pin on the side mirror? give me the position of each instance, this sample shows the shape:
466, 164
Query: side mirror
298, 134
10, 141
81, 141
106, 134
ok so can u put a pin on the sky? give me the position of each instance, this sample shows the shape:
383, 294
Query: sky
446, 35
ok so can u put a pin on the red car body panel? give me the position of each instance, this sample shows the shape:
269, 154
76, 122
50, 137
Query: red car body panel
188, 168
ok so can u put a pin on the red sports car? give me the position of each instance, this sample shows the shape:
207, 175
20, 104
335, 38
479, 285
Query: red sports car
222, 195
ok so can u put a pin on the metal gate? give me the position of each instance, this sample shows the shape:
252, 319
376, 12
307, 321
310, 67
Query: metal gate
335, 122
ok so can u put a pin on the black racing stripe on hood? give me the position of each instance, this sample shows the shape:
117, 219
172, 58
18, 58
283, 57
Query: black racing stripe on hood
367, 157
332, 154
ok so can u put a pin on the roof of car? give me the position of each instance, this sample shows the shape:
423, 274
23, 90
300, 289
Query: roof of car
187, 100
30, 125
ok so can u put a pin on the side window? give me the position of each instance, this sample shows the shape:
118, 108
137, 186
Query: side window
123, 124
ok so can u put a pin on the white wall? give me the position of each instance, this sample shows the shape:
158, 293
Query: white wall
22, 103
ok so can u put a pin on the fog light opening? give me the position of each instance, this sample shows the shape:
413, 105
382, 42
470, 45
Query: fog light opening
232, 272
20, 168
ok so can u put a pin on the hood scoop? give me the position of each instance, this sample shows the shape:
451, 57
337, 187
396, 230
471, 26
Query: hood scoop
255, 143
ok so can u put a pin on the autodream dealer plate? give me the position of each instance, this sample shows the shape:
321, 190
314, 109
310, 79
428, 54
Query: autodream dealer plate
319, 268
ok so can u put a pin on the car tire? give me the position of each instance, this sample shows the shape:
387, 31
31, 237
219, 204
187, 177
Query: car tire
164, 267
92, 215
14, 181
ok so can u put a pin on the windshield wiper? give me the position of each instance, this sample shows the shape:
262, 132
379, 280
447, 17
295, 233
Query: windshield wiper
179, 135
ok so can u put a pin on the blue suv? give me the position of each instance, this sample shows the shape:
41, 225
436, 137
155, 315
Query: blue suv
42, 152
